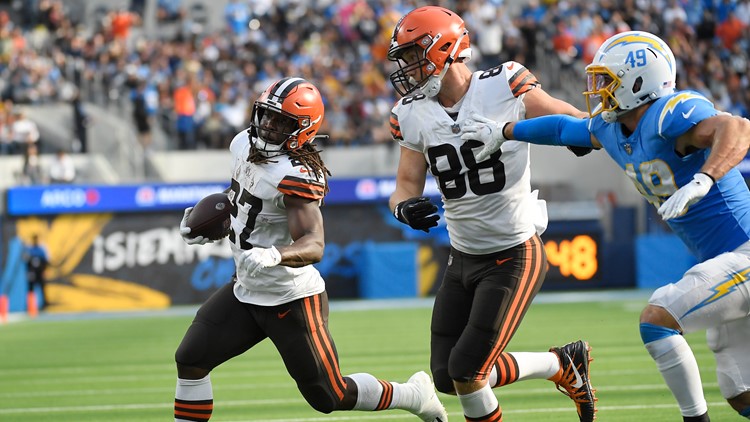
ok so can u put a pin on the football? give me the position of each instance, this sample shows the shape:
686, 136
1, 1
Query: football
210, 217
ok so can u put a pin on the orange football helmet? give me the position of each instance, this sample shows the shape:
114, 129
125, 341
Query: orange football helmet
425, 42
286, 116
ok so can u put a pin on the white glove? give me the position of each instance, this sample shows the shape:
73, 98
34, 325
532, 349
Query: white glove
484, 130
686, 196
256, 258
185, 231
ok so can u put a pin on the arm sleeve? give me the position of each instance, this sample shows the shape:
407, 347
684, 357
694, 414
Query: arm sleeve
562, 130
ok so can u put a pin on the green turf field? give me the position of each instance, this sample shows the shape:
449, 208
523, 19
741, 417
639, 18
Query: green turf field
121, 369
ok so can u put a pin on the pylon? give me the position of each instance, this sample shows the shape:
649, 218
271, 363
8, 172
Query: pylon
3, 308
32, 306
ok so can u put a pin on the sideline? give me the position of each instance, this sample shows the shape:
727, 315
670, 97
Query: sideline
346, 305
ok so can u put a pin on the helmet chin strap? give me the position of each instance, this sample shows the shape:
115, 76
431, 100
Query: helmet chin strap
432, 87
610, 116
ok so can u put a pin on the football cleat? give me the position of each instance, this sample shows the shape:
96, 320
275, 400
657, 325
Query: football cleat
430, 408
574, 381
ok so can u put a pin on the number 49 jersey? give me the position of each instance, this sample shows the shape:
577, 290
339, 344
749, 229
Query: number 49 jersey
720, 221
259, 219
488, 205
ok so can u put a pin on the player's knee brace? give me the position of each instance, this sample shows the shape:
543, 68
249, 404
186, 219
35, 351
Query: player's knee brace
651, 332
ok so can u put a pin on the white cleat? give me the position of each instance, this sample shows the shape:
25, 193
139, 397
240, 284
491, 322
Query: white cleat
431, 409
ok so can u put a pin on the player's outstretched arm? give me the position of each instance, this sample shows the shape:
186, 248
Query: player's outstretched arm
539, 103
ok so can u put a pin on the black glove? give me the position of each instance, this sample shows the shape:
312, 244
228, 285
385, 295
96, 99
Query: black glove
580, 151
418, 213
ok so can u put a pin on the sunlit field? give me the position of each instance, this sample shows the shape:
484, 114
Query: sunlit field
121, 368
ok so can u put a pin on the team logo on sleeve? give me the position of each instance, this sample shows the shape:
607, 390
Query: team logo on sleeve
678, 99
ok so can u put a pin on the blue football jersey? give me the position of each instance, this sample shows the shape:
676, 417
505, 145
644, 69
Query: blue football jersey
720, 221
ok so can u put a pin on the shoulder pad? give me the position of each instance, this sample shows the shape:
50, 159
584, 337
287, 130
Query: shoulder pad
681, 111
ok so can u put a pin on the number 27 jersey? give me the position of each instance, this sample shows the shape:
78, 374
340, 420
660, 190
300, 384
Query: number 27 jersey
488, 205
259, 219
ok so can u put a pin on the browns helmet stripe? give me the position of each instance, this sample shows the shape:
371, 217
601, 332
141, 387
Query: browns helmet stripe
283, 87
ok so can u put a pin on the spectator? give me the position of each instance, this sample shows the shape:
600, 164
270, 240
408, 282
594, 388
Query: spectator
24, 132
36, 259
31, 173
184, 107
121, 21
62, 169
674, 11
141, 116
237, 16
81, 122
6, 143
730, 30
169, 10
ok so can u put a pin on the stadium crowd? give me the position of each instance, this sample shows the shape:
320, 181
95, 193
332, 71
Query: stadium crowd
197, 83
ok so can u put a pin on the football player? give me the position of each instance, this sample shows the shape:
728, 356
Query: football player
278, 184
497, 261
681, 153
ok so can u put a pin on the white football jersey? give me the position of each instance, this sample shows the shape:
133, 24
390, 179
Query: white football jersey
489, 205
259, 220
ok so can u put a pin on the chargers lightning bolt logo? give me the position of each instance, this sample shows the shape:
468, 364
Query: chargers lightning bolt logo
673, 102
722, 289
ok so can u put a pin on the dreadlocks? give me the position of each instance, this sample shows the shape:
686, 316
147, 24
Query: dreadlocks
306, 154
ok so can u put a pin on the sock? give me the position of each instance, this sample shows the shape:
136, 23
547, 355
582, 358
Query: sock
194, 400
375, 394
512, 367
745, 412
481, 405
702, 418
678, 367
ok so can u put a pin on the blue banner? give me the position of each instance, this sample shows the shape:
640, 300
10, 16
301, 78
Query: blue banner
73, 199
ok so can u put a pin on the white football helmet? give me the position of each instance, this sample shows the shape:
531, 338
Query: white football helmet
630, 69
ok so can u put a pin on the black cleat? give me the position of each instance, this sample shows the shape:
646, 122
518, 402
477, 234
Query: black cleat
574, 381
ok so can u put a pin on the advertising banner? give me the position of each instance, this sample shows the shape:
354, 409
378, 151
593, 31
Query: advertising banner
116, 261
105, 261
73, 199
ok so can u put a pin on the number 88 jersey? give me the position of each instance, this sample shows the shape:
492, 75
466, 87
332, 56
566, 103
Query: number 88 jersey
259, 219
488, 205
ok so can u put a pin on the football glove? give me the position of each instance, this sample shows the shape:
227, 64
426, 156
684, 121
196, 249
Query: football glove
255, 259
486, 131
418, 213
185, 231
678, 203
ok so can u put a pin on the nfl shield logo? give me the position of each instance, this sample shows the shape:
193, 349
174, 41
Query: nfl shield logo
628, 148
455, 128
